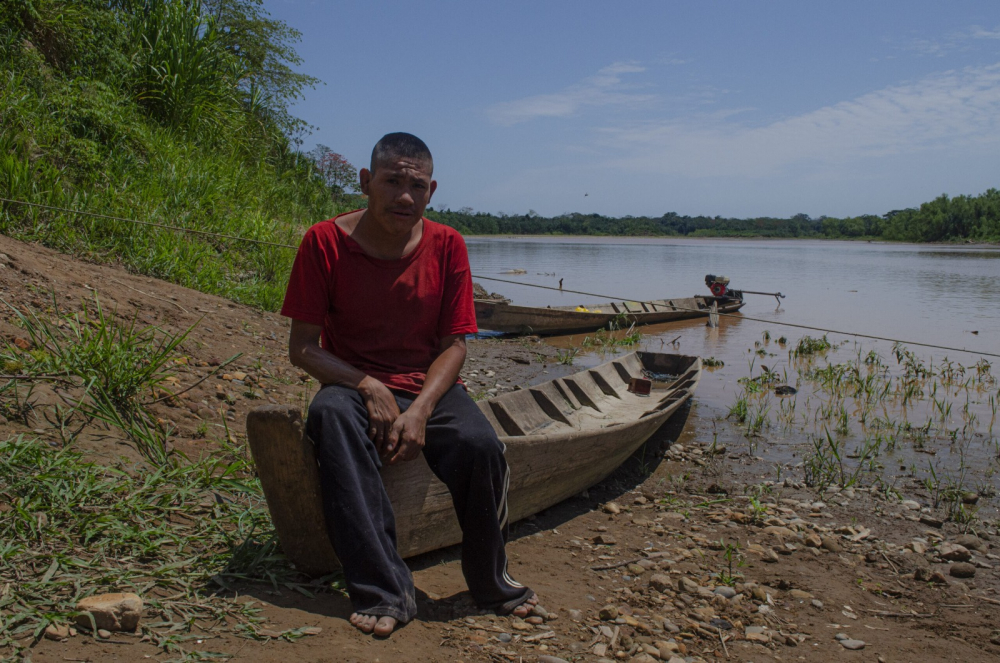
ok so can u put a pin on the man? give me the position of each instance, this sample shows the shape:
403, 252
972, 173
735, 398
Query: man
380, 301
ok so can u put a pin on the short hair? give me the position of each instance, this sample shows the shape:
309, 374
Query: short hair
400, 144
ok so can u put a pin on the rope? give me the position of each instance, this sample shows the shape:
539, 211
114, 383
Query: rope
529, 285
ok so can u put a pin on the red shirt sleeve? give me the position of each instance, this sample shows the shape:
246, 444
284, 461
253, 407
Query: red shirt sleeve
458, 313
307, 297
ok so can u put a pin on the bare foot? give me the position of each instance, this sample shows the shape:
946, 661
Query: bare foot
381, 626
524, 609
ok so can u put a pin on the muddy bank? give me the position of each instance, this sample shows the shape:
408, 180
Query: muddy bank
693, 550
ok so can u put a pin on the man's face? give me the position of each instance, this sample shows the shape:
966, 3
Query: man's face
398, 192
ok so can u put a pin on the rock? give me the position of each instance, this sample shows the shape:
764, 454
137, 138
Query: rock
612, 508
813, 540
800, 595
759, 594
521, 625
505, 637
544, 658
113, 612
938, 578
962, 570
56, 632
910, 505
971, 541
725, 592
635, 569
970, 497
995, 637
831, 544
540, 611
816, 603
670, 627
605, 540
687, 586
608, 613
954, 552
853, 644
534, 620
770, 556
931, 521
575, 615
917, 547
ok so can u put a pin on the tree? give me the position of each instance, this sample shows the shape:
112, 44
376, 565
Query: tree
336, 170
265, 48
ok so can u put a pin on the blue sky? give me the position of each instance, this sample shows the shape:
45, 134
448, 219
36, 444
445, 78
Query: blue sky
735, 108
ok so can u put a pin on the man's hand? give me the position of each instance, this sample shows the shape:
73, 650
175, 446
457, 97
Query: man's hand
407, 435
382, 414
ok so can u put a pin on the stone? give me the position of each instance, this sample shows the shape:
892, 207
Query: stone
831, 544
612, 508
661, 582
574, 614
813, 540
545, 658
971, 541
605, 540
725, 592
113, 612
505, 637
816, 603
103, 633
644, 658
910, 505
534, 620
917, 547
800, 595
851, 643
759, 594
954, 552
931, 521
608, 613
770, 556
687, 586
635, 569
962, 570
521, 625
56, 632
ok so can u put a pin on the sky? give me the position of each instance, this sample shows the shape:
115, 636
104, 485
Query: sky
738, 108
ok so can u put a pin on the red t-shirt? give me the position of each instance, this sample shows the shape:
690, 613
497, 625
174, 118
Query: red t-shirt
384, 317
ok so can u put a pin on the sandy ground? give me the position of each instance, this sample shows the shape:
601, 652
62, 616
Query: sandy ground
682, 552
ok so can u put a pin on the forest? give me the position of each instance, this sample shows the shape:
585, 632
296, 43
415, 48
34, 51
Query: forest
957, 219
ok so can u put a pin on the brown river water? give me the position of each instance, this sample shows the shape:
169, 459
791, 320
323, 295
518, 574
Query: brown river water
931, 415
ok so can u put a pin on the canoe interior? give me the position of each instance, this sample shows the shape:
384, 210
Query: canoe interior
561, 437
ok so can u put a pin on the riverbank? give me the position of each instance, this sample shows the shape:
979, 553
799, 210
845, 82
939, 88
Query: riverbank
695, 550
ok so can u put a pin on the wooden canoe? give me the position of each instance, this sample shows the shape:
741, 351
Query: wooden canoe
561, 437
500, 316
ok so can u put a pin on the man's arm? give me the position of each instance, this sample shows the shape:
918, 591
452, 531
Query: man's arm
305, 352
407, 432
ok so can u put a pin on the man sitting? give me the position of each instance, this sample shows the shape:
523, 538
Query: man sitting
380, 301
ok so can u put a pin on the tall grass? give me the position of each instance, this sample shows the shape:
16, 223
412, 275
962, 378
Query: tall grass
149, 119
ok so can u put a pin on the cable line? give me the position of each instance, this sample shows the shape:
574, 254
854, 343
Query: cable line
529, 285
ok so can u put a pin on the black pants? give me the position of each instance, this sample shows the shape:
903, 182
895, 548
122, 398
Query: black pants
462, 449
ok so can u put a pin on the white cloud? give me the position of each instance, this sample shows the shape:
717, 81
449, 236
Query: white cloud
603, 89
954, 110
980, 33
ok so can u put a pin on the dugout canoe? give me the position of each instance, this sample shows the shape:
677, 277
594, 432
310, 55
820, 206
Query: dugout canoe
561, 437
500, 316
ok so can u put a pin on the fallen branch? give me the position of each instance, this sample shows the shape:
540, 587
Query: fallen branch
886, 613
605, 567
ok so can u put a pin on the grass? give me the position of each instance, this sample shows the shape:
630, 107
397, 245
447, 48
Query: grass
178, 537
117, 368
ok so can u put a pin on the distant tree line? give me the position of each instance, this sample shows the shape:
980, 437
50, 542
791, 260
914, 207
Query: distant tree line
962, 218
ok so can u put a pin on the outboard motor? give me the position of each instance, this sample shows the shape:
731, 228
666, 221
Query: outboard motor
719, 285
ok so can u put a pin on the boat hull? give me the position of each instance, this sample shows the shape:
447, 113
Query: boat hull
561, 437
512, 319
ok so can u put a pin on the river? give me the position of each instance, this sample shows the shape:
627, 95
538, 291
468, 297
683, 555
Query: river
937, 295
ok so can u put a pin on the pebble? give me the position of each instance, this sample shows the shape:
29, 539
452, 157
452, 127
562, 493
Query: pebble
608, 613
954, 552
612, 508
545, 658
575, 615
852, 644
103, 633
112, 612
816, 603
799, 594
725, 591
660, 582
831, 544
54, 632
962, 570
505, 637
910, 504
970, 541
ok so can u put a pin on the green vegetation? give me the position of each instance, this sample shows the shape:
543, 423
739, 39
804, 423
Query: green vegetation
170, 111
973, 218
